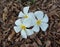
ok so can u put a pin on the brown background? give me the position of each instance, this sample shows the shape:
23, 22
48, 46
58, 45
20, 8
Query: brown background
9, 10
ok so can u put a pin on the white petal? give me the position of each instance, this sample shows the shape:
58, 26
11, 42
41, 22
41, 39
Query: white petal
39, 14
33, 22
29, 32
17, 29
21, 14
25, 9
27, 22
18, 22
23, 34
32, 17
44, 26
45, 19
36, 28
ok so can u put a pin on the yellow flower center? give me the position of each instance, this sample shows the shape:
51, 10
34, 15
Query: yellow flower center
25, 16
23, 27
38, 22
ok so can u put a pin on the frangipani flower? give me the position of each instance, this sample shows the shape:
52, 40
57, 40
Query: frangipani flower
27, 17
40, 21
21, 27
24, 14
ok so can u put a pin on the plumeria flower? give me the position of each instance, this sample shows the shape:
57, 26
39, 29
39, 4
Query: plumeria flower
25, 14
21, 27
40, 21
27, 17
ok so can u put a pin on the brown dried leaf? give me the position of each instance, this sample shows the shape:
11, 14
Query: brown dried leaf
58, 42
35, 44
11, 35
5, 14
38, 41
29, 45
48, 43
23, 45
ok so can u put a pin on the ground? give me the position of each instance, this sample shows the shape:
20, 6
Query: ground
9, 10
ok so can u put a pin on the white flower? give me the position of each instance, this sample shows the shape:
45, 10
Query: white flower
24, 14
21, 27
40, 21
27, 17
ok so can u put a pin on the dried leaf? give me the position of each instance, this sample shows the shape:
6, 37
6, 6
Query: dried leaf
48, 43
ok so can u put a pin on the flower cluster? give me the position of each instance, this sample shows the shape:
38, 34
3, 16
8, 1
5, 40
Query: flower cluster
28, 19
